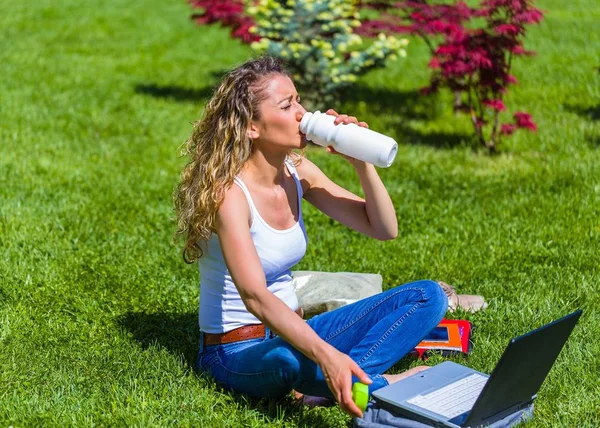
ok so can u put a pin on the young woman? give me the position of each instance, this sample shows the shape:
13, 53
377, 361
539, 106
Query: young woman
239, 208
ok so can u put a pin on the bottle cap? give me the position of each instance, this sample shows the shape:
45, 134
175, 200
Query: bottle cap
360, 395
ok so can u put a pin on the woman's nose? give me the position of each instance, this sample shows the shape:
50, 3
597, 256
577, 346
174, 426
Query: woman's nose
300, 112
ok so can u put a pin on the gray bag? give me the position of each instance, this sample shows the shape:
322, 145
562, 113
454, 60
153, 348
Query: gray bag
320, 292
375, 417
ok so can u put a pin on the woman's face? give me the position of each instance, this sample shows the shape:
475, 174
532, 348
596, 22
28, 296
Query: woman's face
280, 115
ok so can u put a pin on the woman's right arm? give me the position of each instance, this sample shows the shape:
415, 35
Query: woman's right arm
241, 258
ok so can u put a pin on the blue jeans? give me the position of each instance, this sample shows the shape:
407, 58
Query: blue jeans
375, 332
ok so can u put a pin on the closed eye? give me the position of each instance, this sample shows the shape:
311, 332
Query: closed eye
289, 105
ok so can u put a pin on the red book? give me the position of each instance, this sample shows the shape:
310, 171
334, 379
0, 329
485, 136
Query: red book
449, 337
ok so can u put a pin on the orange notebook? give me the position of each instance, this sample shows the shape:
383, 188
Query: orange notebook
449, 337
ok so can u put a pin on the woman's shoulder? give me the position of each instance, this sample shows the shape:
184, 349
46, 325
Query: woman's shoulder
308, 173
234, 206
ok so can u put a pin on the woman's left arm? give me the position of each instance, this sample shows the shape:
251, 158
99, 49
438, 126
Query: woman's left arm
378, 204
373, 216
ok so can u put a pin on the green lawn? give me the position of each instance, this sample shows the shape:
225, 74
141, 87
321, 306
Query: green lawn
97, 309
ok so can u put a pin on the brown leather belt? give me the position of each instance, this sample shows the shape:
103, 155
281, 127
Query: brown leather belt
247, 332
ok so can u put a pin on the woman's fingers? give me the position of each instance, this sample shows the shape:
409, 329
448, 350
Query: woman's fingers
338, 372
345, 384
342, 390
341, 118
345, 119
360, 374
348, 405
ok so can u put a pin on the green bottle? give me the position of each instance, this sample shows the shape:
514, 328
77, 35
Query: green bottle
360, 395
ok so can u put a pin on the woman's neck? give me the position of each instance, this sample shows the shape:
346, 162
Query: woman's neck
265, 169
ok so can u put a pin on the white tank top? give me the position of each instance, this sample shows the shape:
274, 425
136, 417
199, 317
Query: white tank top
221, 307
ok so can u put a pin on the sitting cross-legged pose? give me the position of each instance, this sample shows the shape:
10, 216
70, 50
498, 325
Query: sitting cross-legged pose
239, 207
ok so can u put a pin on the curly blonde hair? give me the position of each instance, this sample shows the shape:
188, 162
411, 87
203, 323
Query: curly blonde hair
218, 148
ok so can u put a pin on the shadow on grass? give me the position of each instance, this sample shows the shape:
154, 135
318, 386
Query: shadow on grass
593, 141
404, 108
440, 140
407, 104
173, 92
587, 113
179, 335
590, 113
179, 93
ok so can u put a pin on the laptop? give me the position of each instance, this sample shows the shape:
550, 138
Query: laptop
453, 395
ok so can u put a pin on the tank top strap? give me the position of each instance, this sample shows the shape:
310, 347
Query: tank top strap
242, 186
292, 169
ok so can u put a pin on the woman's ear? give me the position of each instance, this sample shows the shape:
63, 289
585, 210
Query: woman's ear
253, 133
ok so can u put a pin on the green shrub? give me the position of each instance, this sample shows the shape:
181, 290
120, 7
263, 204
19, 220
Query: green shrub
317, 41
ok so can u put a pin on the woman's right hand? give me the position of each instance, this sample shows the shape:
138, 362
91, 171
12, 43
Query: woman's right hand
338, 369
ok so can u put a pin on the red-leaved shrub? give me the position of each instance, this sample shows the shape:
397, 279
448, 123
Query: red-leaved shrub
473, 61
230, 13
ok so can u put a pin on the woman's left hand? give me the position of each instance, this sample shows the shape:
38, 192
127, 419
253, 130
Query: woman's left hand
344, 119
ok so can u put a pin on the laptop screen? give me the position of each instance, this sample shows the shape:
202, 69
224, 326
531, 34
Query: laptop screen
522, 369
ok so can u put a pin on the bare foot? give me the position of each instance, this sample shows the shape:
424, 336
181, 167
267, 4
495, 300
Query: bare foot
393, 378
311, 401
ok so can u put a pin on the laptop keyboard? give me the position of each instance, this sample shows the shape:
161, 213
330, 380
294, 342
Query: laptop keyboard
453, 399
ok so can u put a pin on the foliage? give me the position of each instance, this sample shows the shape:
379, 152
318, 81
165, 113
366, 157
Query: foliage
230, 13
472, 60
316, 39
